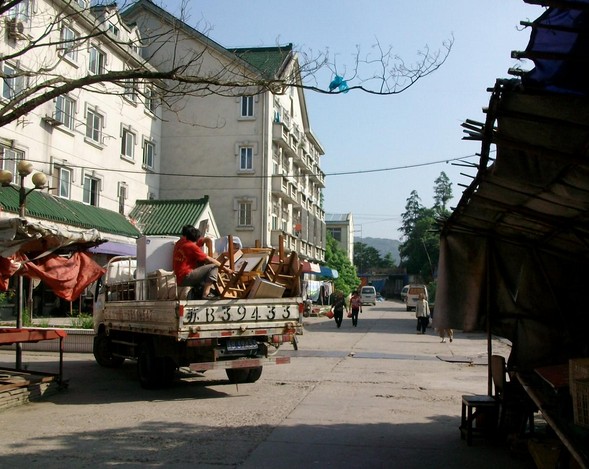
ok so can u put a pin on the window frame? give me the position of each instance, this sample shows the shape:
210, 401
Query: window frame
96, 60
98, 118
10, 163
246, 106
149, 99
9, 90
91, 195
127, 133
148, 144
244, 213
122, 195
68, 48
64, 115
62, 184
246, 158
130, 89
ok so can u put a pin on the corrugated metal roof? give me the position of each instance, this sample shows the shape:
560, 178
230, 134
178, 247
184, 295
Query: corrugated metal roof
45, 206
268, 60
167, 217
336, 217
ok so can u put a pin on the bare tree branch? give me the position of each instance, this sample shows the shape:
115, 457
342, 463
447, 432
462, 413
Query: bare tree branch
187, 71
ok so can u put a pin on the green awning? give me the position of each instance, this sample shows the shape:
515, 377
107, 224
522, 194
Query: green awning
44, 206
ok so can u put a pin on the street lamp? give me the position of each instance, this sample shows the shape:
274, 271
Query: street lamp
24, 168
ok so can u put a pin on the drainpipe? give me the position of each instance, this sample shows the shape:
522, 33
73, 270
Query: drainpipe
264, 197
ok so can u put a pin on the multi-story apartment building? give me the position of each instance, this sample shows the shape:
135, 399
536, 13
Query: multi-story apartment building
98, 143
253, 153
108, 144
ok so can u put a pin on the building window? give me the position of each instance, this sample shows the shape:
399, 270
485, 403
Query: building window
68, 43
128, 144
91, 189
244, 214
20, 11
114, 29
122, 197
246, 158
82, 3
247, 106
65, 108
64, 182
150, 102
148, 154
97, 63
336, 233
12, 85
9, 158
130, 90
94, 122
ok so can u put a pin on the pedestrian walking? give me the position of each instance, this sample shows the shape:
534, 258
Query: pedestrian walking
446, 333
356, 307
338, 306
422, 313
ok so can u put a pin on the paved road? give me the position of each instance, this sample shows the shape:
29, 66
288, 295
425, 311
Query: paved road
375, 396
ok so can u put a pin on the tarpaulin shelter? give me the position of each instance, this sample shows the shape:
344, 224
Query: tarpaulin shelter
514, 254
34, 249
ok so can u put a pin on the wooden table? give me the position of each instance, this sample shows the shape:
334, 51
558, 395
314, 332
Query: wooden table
551, 397
12, 335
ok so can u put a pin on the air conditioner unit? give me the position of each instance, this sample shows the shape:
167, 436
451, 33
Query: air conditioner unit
15, 29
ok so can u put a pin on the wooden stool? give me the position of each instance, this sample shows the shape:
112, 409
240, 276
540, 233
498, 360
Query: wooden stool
472, 406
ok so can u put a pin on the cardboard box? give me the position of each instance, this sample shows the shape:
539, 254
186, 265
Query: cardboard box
265, 289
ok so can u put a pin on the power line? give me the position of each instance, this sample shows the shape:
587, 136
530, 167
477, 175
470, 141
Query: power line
253, 176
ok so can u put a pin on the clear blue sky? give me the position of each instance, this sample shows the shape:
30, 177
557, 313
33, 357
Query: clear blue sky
362, 132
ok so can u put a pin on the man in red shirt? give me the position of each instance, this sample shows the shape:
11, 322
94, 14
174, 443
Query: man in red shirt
192, 266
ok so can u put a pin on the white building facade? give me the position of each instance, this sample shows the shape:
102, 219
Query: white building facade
99, 143
109, 144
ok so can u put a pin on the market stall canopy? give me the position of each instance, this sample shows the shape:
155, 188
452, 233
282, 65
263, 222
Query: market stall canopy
39, 251
20, 235
328, 272
514, 253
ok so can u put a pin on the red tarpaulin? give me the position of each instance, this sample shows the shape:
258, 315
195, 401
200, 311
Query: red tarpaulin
67, 277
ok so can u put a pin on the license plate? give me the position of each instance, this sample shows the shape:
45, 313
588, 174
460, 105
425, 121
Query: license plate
234, 313
239, 345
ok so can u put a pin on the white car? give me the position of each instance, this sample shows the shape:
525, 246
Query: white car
368, 295
413, 295
404, 291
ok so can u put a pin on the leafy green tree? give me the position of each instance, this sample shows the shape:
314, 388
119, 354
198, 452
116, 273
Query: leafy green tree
336, 258
413, 211
442, 193
421, 249
366, 257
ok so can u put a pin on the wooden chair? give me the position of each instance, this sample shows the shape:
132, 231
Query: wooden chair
516, 410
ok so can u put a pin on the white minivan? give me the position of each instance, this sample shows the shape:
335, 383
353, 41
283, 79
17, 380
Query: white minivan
413, 295
368, 295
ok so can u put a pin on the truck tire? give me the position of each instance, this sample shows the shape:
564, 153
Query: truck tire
102, 352
154, 372
238, 375
254, 374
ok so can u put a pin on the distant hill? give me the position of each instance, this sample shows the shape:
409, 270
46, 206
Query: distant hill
384, 246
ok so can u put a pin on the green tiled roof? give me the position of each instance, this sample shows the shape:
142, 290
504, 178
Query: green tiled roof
44, 206
268, 60
167, 217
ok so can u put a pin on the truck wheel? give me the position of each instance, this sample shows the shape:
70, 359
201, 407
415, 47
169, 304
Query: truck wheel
102, 352
254, 374
147, 368
238, 375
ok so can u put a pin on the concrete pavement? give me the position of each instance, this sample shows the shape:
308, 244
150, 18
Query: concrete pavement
375, 396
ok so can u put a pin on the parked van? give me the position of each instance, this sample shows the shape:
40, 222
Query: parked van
368, 295
413, 295
404, 291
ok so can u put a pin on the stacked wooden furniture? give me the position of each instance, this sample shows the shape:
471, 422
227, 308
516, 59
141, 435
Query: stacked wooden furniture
258, 273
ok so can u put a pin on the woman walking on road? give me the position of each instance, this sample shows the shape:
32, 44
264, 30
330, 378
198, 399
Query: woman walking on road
422, 313
339, 303
356, 305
